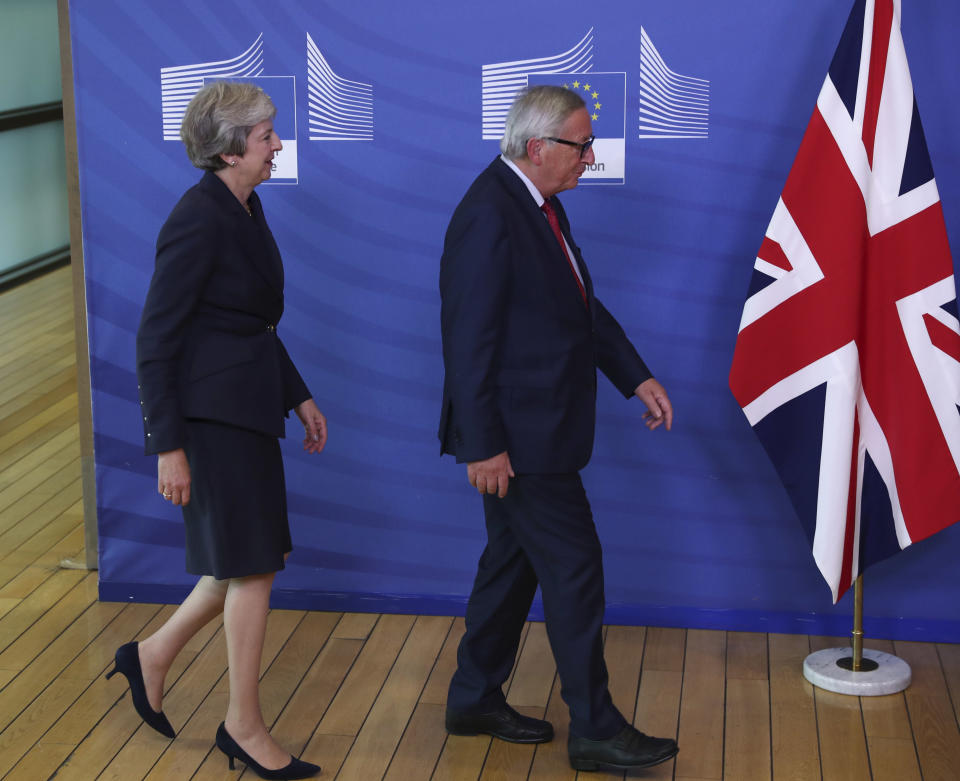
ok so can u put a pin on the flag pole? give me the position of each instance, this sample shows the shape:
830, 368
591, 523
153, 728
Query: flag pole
866, 672
858, 624
857, 663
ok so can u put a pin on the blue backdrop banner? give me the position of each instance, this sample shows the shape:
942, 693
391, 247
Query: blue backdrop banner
387, 112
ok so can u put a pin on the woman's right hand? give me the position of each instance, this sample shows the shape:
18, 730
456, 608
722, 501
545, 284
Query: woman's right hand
173, 476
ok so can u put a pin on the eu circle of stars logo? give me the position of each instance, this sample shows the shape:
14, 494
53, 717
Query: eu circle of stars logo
604, 94
591, 97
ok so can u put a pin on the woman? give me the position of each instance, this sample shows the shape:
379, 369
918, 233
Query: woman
215, 385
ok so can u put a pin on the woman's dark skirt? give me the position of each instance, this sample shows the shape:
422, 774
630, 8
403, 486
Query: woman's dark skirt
236, 520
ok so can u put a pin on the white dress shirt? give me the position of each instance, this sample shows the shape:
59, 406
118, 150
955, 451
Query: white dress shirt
540, 199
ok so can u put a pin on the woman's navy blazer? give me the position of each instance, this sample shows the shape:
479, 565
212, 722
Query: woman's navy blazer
207, 345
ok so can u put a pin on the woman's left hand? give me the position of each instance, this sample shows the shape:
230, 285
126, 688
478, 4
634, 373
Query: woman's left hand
314, 426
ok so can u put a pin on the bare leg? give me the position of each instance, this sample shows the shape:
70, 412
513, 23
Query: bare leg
158, 651
245, 623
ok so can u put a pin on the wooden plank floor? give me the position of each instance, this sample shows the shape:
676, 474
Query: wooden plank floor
363, 695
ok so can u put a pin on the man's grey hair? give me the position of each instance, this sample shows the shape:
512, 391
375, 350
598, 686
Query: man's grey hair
219, 119
537, 112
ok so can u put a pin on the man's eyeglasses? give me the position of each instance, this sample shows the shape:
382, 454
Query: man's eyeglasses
582, 147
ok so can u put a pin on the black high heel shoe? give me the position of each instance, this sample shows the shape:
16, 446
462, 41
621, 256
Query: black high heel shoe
296, 769
127, 662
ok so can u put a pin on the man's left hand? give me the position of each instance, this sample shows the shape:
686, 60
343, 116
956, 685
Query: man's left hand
659, 409
492, 475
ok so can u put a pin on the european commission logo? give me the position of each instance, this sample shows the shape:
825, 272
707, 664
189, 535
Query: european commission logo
669, 104
178, 84
337, 109
340, 109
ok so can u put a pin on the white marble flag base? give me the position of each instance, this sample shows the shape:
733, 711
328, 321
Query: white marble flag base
892, 674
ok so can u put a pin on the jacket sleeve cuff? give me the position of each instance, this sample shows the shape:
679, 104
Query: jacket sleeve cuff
478, 444
158, 439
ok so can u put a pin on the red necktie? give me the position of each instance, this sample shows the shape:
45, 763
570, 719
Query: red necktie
555, 224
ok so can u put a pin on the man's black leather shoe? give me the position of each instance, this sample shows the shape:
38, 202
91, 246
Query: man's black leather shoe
628, 749
504, 723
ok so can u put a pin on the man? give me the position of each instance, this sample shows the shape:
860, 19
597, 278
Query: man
523, 336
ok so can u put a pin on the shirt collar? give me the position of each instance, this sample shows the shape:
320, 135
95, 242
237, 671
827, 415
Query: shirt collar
526, 180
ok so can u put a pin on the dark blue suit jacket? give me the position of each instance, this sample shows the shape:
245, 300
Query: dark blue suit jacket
520, 349
207, 345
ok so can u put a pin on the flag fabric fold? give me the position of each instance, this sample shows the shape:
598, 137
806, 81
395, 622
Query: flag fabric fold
847, 362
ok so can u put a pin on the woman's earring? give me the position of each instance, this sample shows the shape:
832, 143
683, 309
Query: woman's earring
233, 163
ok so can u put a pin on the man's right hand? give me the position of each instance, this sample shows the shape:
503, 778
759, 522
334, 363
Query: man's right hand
492, 475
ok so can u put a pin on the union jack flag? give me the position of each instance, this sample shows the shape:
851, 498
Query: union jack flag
847, 364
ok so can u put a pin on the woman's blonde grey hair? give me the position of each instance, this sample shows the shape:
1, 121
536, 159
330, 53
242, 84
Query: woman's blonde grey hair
537, 112
218, 120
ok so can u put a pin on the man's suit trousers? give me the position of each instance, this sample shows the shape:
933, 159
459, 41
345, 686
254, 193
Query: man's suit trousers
541, 532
